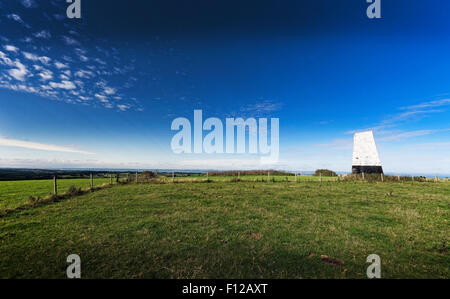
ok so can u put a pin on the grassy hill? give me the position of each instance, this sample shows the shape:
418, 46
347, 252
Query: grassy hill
235, 230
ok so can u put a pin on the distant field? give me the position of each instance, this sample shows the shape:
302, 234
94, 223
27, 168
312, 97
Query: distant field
251, 178
16, 193
235, 230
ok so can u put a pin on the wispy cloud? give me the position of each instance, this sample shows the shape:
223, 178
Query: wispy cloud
410, 134
264, 106
389, 126
28, 3
11, 48
429, 104
40, 146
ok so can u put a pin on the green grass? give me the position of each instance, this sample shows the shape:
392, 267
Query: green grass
17, 193
234, 230
252, 178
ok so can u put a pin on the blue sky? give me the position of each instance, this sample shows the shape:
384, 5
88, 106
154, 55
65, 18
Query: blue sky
102, 91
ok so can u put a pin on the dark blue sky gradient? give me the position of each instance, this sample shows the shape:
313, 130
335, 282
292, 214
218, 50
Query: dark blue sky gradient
322, 67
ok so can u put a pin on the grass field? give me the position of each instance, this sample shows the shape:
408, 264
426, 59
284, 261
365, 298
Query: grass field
17, 193
234, 230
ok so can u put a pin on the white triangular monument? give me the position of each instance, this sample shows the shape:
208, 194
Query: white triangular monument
365, 154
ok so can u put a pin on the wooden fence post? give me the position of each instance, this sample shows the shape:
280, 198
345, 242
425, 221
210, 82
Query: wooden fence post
382, 177
268, 176
363, 176
136, 177
128, 177
296, 177
321, 177
55, 186
110, 178
398, 178
173, 176
92, 181
412, 177
239, 175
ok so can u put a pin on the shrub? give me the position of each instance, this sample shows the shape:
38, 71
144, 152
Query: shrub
324, 172
35, 200
74, 191
32, 199
147, 176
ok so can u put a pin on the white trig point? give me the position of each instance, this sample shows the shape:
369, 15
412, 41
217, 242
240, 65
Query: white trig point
365, 154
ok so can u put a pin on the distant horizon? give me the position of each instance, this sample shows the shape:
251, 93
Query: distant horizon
169, 170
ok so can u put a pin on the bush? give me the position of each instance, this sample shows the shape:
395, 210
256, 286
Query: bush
148, 175
35, 200
249, 172
324, 172
74, 191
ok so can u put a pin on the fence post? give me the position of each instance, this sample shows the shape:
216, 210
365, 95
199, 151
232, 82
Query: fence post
296, 177
363, 176
382, 177
117, 177
321, 177
239, 175
173, 176
92, 181
412, 178
136, 177
55, 186
128, 177
398, 178
110, 178
435, 178
268, 176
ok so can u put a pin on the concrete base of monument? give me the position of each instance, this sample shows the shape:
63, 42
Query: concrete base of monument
366, 169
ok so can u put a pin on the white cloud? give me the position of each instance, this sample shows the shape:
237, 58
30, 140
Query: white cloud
39, 146
45, 34
430, 104
70, 41
18, 19
63, 85
84, 74
46, 75
410, 134
60, 65
4, 59
102, 98
34, 57
123, 107
109, 90
19, 72
11, 48
106, 89
15, 17
28, 3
